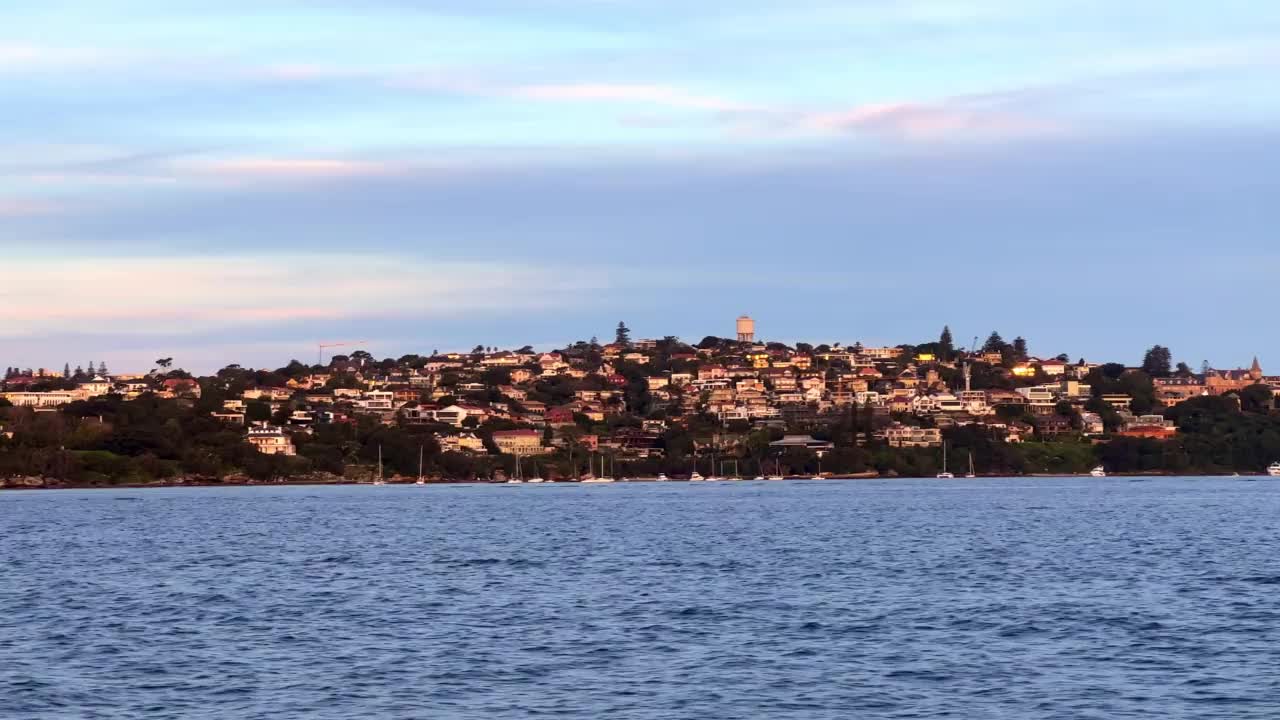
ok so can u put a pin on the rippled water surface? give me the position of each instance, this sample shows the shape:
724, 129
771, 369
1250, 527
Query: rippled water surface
906, 599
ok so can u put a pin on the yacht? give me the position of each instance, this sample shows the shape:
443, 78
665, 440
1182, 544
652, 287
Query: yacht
1274, 469
945, 474
515, 481
662, 477
535, 479
1098, 472
594, 479
713, 478
759, 477
696, 477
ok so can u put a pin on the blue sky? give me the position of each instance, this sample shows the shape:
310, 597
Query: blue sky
232, 181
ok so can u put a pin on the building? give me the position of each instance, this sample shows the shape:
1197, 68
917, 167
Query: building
806, 442
270, 440
1173, 390
1217, 382
900, 436
746, 329
519, 442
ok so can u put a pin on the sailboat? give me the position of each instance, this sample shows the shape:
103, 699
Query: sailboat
602, 478
536, 477
1274, 469
971, 473
517, 480
945, 474
777, 470
1098, 472
421, 479
379, 481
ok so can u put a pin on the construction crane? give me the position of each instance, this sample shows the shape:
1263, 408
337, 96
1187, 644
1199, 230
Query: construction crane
321, 347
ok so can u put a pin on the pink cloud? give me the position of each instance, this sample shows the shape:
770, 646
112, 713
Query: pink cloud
918, 121
19, 208
292, 168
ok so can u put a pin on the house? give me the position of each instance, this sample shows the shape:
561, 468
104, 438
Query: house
465, 442
230, 418
806, 442
906, 436
95, 387
181, 387
559, 416
270, 440
519, 442
1171, 391
1053, 426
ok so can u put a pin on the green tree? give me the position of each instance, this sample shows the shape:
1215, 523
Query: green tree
1020, 349
994, 343
1158, 361
623, 335
1256, 399
945, 342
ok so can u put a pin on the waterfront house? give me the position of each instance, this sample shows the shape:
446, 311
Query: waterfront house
270, 440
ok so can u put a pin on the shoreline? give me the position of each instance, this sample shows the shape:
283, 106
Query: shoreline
5, 486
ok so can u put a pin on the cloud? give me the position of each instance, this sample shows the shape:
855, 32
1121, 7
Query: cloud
25, 57
184, 295
16, 207
955, 119
626, 93
287, 168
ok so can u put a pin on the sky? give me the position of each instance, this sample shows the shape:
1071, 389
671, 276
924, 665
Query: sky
234, 181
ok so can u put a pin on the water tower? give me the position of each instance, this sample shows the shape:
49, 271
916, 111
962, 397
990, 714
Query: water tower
746, 329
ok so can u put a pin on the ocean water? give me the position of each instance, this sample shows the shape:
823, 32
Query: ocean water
971, 599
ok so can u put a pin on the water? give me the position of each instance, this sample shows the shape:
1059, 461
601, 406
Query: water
905, 599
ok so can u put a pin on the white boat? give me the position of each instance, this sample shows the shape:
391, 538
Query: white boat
515, 481
816, 477
971, 473
662, 477
1274, 469
420, 482
696, 477
1098, 472
759, 477
777, 477
713, 478
535, 480
594, 479
945, 474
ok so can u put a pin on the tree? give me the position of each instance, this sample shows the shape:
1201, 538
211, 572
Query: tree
92, 370
945, 342
623, 334
102, 369
1256, 399
1158, 361
1184, 370
1019, 349
164, 363
66, 370
994, 343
